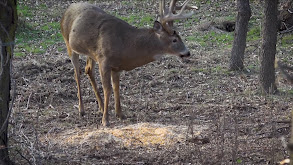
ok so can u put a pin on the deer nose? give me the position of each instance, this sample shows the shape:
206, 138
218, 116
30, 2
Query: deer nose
185, 55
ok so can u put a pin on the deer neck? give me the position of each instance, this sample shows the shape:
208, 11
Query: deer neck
144, 47
149, 44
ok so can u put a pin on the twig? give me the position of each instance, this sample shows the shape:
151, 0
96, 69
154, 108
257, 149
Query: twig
28, 101
273, 129
190, 129
287, 30
221, 136
36, 145
236, 142
28, 161
31, 147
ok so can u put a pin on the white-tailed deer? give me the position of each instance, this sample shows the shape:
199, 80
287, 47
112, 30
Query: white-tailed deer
116, 46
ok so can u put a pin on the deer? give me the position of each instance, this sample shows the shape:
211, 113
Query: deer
117, 46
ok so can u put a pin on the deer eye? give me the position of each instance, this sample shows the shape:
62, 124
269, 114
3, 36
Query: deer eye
174, 40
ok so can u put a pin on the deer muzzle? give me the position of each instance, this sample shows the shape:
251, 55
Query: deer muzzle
185, 54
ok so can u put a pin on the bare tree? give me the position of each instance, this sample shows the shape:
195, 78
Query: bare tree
8, 23
268, 47
239, 44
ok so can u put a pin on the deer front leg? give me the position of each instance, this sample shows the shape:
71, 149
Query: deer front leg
90, 71
105, 73
115, 84
75, 62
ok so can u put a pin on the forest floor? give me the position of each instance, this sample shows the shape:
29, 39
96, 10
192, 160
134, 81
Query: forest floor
193, 111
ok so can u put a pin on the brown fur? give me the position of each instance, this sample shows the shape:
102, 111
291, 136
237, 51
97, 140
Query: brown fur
115, 46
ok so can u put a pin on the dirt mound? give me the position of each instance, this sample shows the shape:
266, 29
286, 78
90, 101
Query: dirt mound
136, 135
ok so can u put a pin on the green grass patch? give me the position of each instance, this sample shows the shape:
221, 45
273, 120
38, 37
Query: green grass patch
254, 34
139, 20
253, 68
287, 40
239, 161
189, 22
42, 6
220, 69
173, 70
18, 54
197, 70
230, 18
212, 38
37, 40
217, 69
24, 11
35, 33
286, 92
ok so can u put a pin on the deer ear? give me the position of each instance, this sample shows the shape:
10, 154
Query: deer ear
158, 26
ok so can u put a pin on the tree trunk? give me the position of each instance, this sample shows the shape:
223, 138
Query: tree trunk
268, 48
8, 23
239, 44
290, 145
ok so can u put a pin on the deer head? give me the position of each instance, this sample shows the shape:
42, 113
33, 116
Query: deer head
164, 25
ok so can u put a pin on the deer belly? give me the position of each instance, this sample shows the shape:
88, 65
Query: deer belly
132, 64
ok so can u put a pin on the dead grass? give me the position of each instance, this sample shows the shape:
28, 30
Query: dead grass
135, 135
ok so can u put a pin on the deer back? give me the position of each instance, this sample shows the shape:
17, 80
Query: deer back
88, 29
92, 32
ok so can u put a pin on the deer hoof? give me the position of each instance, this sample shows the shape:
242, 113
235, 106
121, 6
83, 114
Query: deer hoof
105, 123
121, 116
81, 113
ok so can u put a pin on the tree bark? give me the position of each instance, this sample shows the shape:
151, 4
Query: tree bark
8, 23
268, 47
290, 145
239, 44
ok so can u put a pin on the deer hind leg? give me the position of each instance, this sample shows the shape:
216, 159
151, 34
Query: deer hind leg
75, 62
90, 71
115, 85
105, 73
